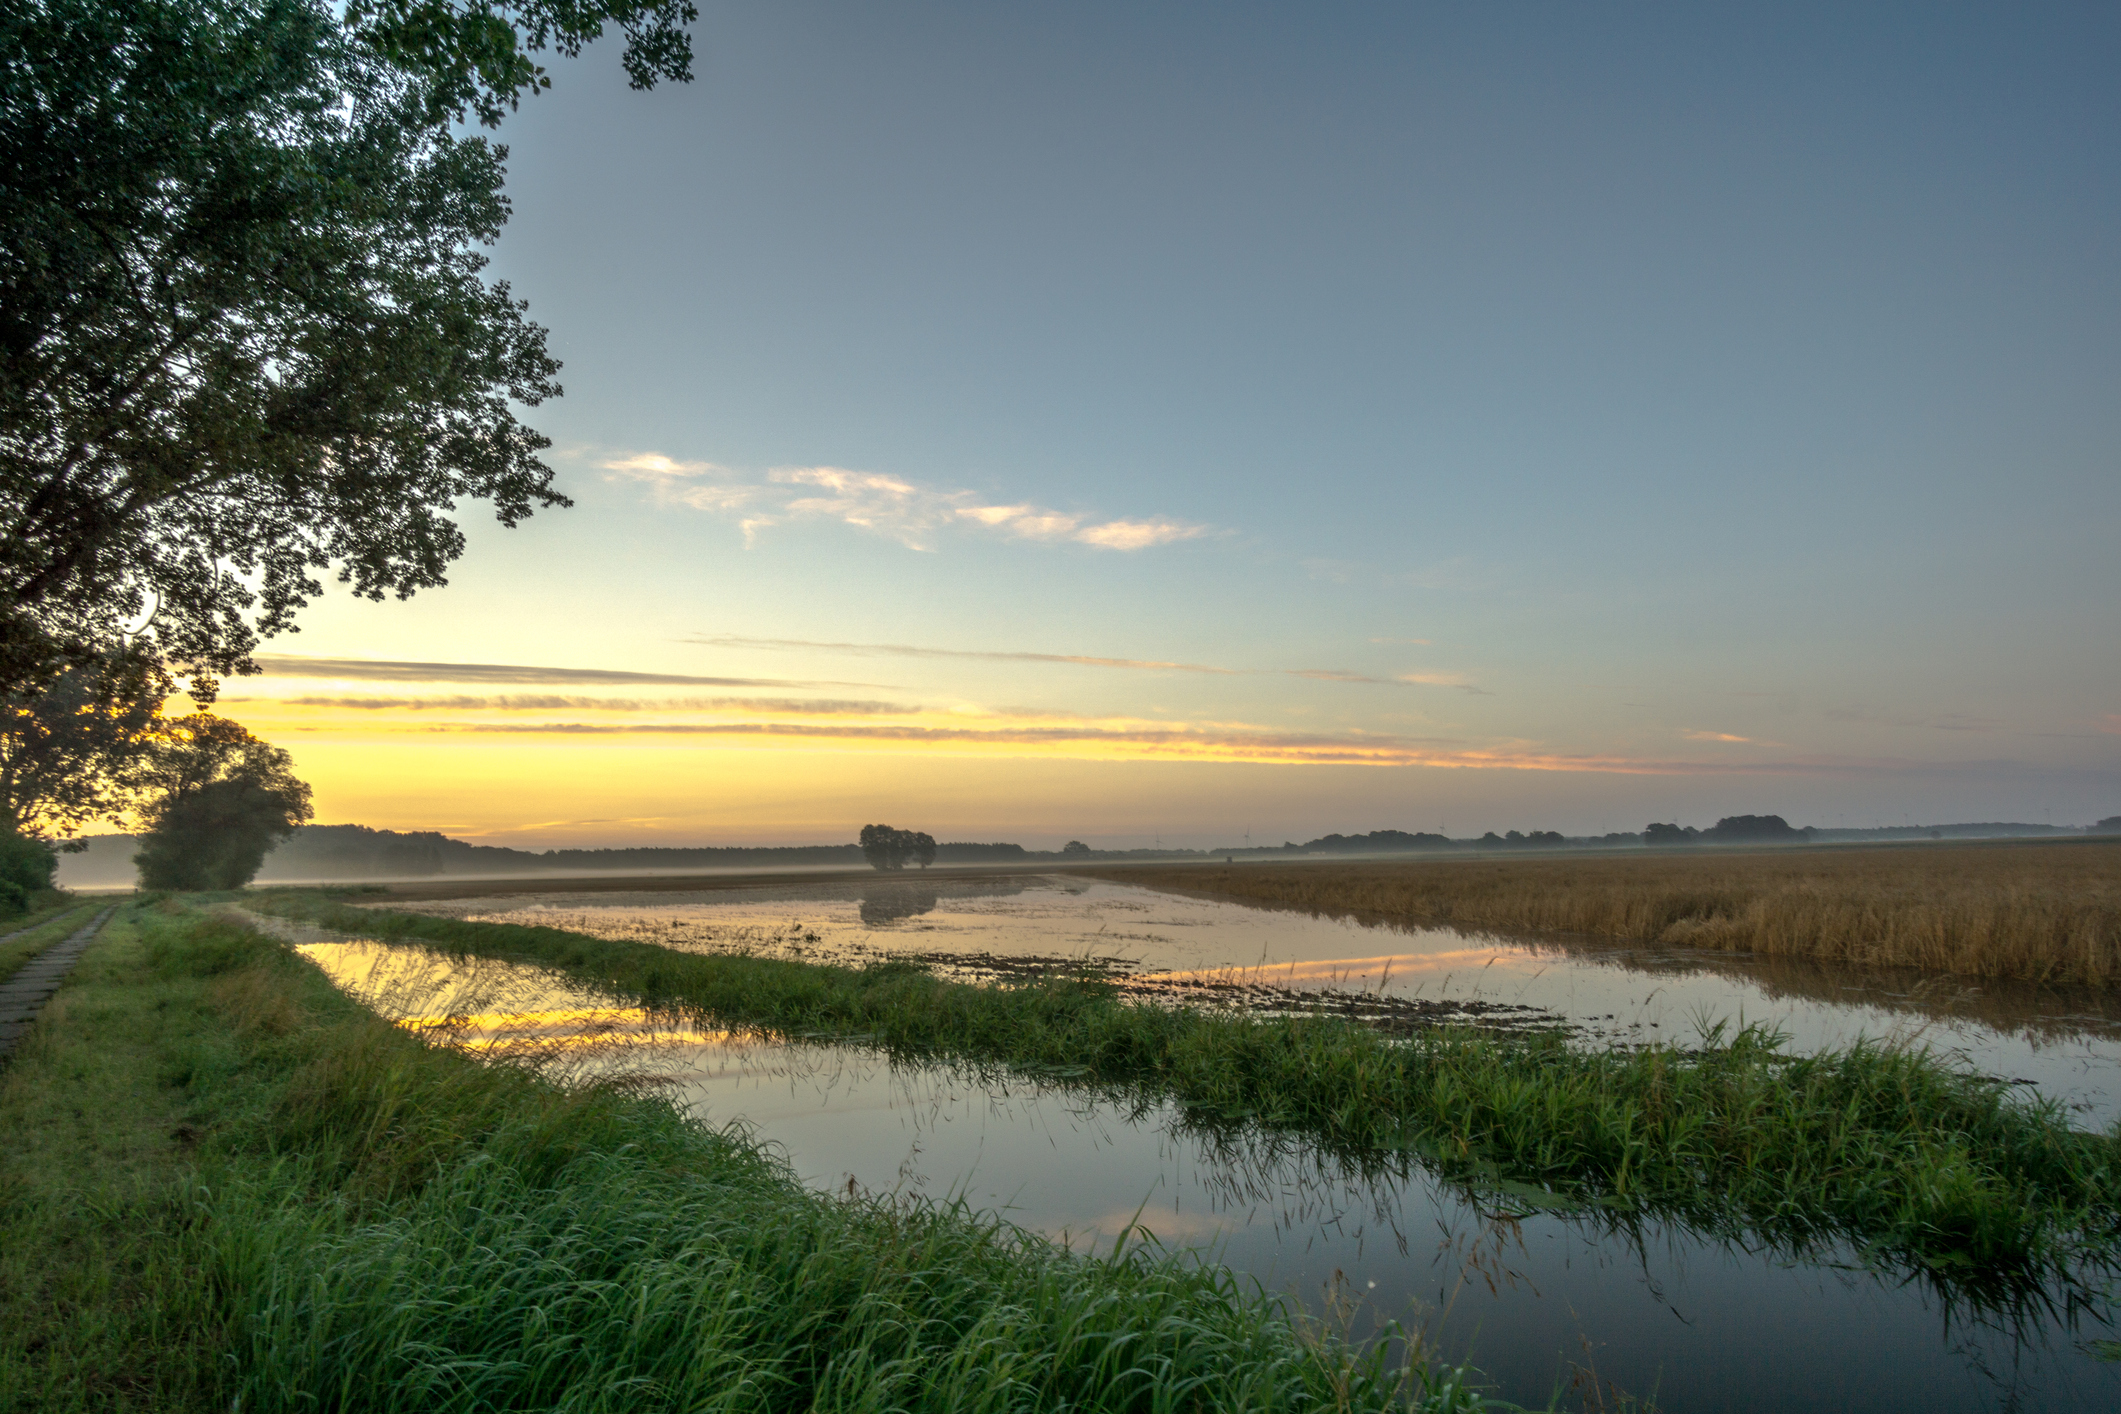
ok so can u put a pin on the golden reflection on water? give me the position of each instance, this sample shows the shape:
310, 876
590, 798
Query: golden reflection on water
507, 1011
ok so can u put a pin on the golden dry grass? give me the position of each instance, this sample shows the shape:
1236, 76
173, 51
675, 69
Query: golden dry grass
2047, 912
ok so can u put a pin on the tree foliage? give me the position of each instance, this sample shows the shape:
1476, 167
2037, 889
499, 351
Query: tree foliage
26, 869
76, 750
223, 799
886, 848
478, 55
1744, 829
245, 337
1669, 834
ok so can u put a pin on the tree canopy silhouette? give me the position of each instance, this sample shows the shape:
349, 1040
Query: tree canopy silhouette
77, 749
245, 334
1669, 834
886, 848
223, 799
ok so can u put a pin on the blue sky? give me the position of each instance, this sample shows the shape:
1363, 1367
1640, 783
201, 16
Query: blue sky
1670, 411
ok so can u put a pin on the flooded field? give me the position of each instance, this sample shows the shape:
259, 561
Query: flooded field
2064, 1044
1541, 1300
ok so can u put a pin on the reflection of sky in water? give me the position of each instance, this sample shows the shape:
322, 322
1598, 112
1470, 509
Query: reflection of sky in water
2067, 1044
1703, 1326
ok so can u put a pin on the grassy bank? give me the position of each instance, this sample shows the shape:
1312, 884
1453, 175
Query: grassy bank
227, 1186
1890, 1150
2033, 912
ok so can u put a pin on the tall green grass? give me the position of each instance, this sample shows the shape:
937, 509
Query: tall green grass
1904, 1157
369, 1222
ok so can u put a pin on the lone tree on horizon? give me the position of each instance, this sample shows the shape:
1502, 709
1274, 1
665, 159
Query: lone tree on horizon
887, 848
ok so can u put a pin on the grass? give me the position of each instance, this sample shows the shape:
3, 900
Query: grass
100, 1305
227, 1186
1909, 1160
2048, 912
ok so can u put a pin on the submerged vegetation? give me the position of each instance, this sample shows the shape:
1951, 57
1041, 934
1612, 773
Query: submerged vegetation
229, 1186
2046, 912
1910, 1160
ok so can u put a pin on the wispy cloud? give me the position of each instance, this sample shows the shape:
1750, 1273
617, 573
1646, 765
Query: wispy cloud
655, 467
539, 702
1457, 680
1099, 740
370, 670
908, 650
1942, 722
1083, 660
1713, 736
907, 511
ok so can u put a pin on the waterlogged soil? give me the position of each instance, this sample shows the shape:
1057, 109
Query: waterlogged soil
2061, 1044
1543, 1301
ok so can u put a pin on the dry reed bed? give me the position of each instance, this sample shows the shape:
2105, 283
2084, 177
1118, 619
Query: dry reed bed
2033, 912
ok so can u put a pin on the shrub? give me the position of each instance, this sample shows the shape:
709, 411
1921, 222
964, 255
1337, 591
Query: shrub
26, 868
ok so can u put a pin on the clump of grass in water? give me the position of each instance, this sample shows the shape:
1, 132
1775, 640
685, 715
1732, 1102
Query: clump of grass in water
1886, 1149
395, 1227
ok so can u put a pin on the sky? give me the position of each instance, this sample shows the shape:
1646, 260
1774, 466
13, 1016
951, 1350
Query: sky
1183, 423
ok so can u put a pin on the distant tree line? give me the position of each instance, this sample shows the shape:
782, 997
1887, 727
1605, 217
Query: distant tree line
358, 852
1732, 829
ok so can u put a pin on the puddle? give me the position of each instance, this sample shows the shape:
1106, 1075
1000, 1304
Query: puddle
1540, 1301
2065, 1045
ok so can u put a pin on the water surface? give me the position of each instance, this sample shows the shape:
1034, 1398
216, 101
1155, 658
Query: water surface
2062, 1044
1539, 1300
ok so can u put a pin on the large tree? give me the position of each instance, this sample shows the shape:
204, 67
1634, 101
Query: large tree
245, 334
223, 799
886, 848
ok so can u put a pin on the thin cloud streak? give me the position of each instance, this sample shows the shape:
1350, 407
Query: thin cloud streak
907, 650
1224, 745
822, 707
364, 669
